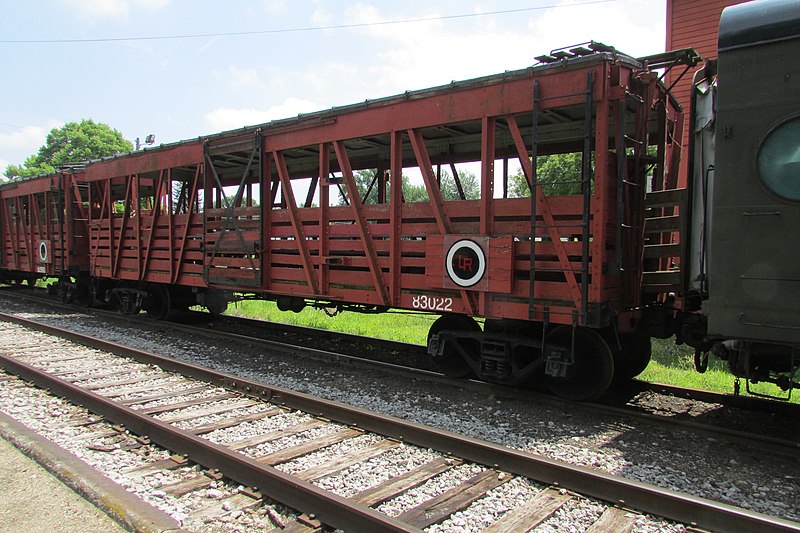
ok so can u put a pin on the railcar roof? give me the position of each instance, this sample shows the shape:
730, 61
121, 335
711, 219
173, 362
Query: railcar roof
309, 119
509, 75
754, 23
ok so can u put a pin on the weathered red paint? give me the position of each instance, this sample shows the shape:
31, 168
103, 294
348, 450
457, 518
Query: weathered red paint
227, 211
42, 226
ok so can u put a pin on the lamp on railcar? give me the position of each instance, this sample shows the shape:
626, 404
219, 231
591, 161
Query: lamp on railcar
150, 139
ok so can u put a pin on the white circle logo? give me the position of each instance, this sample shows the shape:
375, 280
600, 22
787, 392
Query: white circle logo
43, 253
465, 263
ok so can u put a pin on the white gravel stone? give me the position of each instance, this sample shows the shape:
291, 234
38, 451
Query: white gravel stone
679, 460
37, 409
326, 454
391, 463
429, 489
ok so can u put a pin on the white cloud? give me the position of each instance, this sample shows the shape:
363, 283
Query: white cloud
95, 10
363, 14
572, 23
153, 5
404, 58
276, 7
381, 26
17, 145
346, 77
29, 138
242, 77
321, 17
225, 118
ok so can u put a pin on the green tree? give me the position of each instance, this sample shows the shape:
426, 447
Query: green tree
448, 187
557, 174
72, 143
414, 193
363, 179
469, 184
411, 192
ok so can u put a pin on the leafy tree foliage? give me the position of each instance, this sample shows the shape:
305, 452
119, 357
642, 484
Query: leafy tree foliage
557, 174
73, 143
364, 179
469, 184
415, 192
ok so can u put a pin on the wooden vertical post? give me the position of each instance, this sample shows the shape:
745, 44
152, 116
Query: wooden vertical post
487, 193
395, 214
324, 216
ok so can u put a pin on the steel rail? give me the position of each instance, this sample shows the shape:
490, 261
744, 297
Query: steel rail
293, 492
644, 497
768, 443
633, 386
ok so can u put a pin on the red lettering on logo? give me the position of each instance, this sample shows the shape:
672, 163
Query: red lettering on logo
465, 263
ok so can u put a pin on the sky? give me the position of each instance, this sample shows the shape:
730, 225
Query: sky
180, 69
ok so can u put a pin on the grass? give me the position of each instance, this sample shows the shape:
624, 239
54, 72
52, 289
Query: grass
396, 326
670, 364
674, 365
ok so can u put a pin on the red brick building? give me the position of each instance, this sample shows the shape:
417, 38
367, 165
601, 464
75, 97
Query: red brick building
693, 24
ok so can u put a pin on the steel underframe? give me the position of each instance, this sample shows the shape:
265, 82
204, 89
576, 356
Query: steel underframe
303, 496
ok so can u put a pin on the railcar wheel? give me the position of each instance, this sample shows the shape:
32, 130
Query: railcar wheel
216, 303
157, 305
181, 298
451, 363
634, 356
63, 290
86, 292
126, 303
591, 373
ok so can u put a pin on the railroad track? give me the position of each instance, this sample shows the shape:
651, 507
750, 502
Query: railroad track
353, 352
194, 419
627, 390
619, 404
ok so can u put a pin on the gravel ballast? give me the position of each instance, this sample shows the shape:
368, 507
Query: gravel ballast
678, 460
